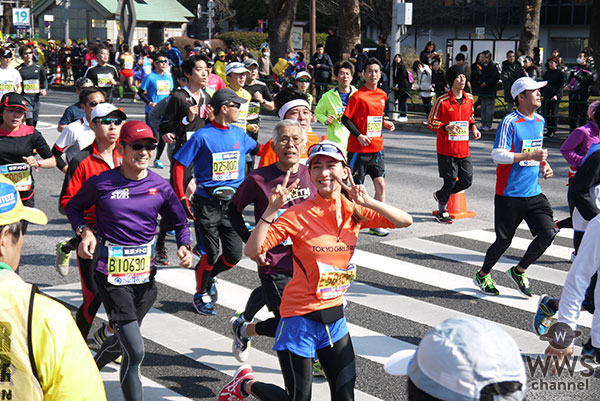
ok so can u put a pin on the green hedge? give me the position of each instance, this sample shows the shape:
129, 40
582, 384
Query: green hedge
321, 38
251, 39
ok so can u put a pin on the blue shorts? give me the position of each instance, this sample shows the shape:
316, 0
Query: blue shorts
303, 337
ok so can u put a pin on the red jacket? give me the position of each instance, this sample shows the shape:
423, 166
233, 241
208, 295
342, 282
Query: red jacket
446, 110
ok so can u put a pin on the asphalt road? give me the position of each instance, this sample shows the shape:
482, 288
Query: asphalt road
411, 177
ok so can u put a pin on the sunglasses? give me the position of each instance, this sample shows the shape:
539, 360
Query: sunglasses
108, 121
236, 105
140, 146
303, 80
27, 53
7, 55
161, 61
93, 104
325, 147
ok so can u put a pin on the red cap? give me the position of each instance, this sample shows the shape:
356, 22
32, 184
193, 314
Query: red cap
14, 99
133, 131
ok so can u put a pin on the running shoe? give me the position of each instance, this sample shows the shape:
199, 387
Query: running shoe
380, 232
318, 369
233, 390
61, 262
486, 284
118, 360
590, 351
100, 335
212, 289
520, 280
171, 233
203, 305
240, 344
161, 258
158, 164
443, 217
544, 316
403, 119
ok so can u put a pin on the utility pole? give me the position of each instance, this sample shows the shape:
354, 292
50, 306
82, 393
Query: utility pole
313, 28
66, 4
211, 14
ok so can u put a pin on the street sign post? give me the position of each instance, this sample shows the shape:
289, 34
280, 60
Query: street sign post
21, 18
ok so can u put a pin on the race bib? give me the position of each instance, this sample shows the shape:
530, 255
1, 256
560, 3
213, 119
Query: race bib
31, 86
253, 111
242, 117
128, 65
339, 113
6, 85
288, 240
225, 166
529, 145
163, 87
374, 124
105, 80
462, 134
129, 264
19, 174
334, 282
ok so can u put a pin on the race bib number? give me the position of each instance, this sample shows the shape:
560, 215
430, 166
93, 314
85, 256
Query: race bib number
288, 240
128, 65
6, 85
163, 87
374, 124
529, 145
105, 80
253, 111
334, 282
31, 86
19, 174
339, 113
225, 166
129, 264
463, 132
242, 117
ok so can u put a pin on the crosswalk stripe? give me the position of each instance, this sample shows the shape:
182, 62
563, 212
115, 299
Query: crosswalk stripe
556, 251
182, 337
463, 255
563, 233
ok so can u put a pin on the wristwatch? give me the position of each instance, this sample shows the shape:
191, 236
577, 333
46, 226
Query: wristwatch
79, 230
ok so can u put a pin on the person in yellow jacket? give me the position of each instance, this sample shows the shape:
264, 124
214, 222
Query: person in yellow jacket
220, 64
42, 355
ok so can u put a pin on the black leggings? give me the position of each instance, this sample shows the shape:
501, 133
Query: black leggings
86, 313
337, 362
128, 339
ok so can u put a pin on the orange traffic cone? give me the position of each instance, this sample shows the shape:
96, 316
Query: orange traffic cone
457, 206
58, 76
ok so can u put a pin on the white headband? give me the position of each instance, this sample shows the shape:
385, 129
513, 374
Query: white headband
290, 105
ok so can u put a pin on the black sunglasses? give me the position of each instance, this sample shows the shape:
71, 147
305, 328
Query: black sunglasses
161, 61
324, 147
25, 53
93, 104
140, 146
108, 121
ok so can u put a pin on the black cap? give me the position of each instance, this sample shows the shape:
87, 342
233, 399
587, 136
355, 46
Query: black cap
14, 99
224, 96
454, 72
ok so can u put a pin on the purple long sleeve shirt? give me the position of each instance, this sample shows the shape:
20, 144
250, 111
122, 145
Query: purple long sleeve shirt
575, 147
126, 210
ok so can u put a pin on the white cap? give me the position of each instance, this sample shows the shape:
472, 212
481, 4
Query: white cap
236, 68
461, 356
104, 109
525, 83
303, 74
326, 148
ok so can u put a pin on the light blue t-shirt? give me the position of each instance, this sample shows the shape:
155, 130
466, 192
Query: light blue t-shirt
157, 87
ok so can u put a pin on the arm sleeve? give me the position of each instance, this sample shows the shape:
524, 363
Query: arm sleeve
60, 162
350, 125
142, 95
503, 156
178, 178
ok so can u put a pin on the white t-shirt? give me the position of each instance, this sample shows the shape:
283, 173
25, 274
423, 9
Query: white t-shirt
76, 136
9, 79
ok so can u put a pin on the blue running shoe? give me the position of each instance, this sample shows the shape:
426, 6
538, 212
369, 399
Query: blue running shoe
171, 233
544, 316
212, 289
158, 163
590, 351
203, 305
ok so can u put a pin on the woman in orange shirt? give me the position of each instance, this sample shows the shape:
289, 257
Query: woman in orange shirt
323, 231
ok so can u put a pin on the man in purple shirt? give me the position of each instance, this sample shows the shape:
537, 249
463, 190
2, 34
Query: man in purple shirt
128, 200
275, 268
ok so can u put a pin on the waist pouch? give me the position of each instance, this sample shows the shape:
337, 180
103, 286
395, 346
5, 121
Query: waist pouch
223, 193
327, 316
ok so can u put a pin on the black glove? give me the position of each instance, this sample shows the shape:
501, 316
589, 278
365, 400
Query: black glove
186, 206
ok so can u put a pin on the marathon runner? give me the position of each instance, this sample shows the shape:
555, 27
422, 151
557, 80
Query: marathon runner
275, 268
331, 106
35, 84
324, 231
217, 152
363, 117
10, 79
452, 117
40, 342
125, 271
18, 142
127, 63
74, 112
519, 154
100, 156
103, 75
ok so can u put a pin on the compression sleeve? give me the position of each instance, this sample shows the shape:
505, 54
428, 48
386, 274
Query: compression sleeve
178, 178
503, 156
60, 162
350, 125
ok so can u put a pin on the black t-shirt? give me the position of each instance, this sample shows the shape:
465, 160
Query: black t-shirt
15, 145
34, 78
102, 77
254, 107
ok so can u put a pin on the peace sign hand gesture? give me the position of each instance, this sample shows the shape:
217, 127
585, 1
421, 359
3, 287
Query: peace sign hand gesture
280, 193
356, 193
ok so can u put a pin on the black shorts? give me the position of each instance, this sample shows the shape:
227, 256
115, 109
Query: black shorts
509, 212
449, 166
126, 302
366, 163
273, 285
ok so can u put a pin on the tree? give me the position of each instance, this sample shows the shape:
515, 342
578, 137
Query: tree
349, 18
594, 40
530, 26
282, 14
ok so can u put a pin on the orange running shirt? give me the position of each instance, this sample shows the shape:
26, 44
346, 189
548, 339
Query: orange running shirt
365, 109
269, 157
321, 252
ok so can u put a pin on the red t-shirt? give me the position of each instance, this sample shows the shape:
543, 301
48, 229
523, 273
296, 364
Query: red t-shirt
446, 111
365, 110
